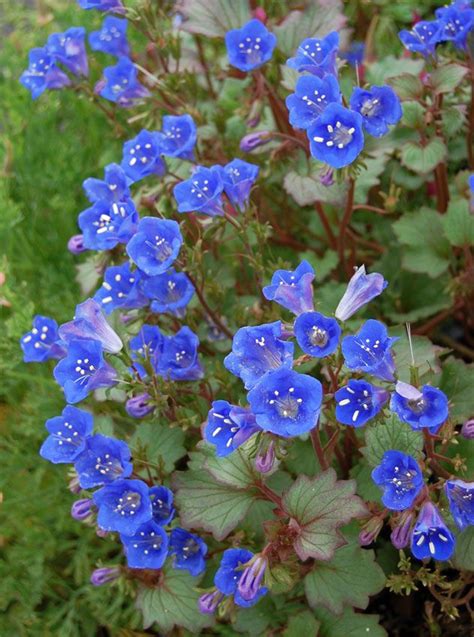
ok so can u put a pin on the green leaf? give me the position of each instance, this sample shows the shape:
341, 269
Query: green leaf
453, 120
457, 381
254, 620
427, 250
369, 176
366, 487
426, 354
207, 504
446, 78
391, 434
348, 579
163, 445
322, 265
318, 507
413, 115
423, 159
406, 86
302, 624
307, 189
458, 223
173, 602
235, 470
214, 18
464, 555
349, 624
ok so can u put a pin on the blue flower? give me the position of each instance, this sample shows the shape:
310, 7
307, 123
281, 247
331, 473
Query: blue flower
67, 435
249, 588
312, 95
423, 37
156, 245
358, 402
400, 478
188, 550
90, 323
178, 136
286, 403
461, 502
317, 335
249, 47
162, 504
147, 547
148, 344
456, 24
142, 156
169, 292
83, 370
230, 569
361, 289
112, 189
120, 84
124, 505
336, 137
112, 37
229, 426
179, 356
69, 49
103, 460
257, 350
42, 342
369, 351
202, 192
139, 406
427, 408
120, 289
292, 288
354, 55
239, 177
431, 537
317, 56
42, 73
104, 225
378, 106
103, 5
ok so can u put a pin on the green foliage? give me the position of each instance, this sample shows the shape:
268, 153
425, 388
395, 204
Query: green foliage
391, 434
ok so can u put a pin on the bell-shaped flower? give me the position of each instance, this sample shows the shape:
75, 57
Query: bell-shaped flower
229, 426
67, 435
42, 342
147, 548
147, 345
120, 84
358, 402
317, 56
124, 505
141, 156
317, 335
189, 551
114, 6
456, 24
169, 292
162, 505
431, 537
312, 95
250, 47
239, 177
103, 460
369, 351
69, 49
336, 137
423, 37
202, 192
230, 569
250, 587
361, 289
179, 357
112, 37
155, 245
113, 188
400, 478
42, 73
292, 289
104, 225
379, 106
90, 323
427, 408
178, 136
461, 502
120, 289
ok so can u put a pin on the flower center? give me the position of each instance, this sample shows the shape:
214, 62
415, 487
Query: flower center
140, 154
318, 337
128, 503
417, 406
370, 107
287, 407
84, 370
151, 541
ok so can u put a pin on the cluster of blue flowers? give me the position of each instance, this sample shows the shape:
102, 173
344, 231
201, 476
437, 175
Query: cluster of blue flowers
452, 24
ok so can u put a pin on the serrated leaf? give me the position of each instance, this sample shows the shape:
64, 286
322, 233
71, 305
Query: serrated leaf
406, 86
390, 66
413, 114
369, 176
391, 434
423, 159
173, 602
458, 223
366, 487
318, 507
303, 623
447, 77
235, 470
307, 189
206, 504
453, 119
349, 624
163, 444
464, 555
254, 620
457, 381
214, 18
348, 579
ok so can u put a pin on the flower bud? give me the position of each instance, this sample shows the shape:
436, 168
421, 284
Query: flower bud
253, 140
251, 578
139, 406
76, 244
81, 509
467, 430
400, 536
370, 531
265, 459
102, 576
260, 14
209, 602
361, 289
327, 178
73, 485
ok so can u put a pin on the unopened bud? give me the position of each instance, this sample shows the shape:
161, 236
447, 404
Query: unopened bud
370, 531
209, 602
102, 576
139, 406
264, 461
467, 430
253, 140
81, 509
400, 536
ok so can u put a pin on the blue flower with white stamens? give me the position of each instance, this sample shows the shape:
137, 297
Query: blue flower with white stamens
238, 177
42, 342
169, 292
162, 505
286, 403
317, 335
147, 345
400, 478
427, 408
431, 538
104, 225
121, 288
113, 188
312, 95
229, 575
423, 37
189, 551
292, 289
229, 426
155, 245
112, 37
178, 136
336, 137
358, 402
257, 350
42, 73
142, 156
456, 24
147, 547
379, 106
461, 502
102, 461
120, 84
103, 5
369, 350
67, 435
317, 56
69, 49
179, 356
202, 192
250, 47
124, 505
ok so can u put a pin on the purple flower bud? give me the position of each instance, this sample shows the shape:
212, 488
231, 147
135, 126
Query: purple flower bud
76, 244
249, 582
361, 289
139, 406
400, 536
264, 461
327, 178
81, 509
73, 485
370, 531
102, 576
90, 323
468, 429
253, 140
209, 602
